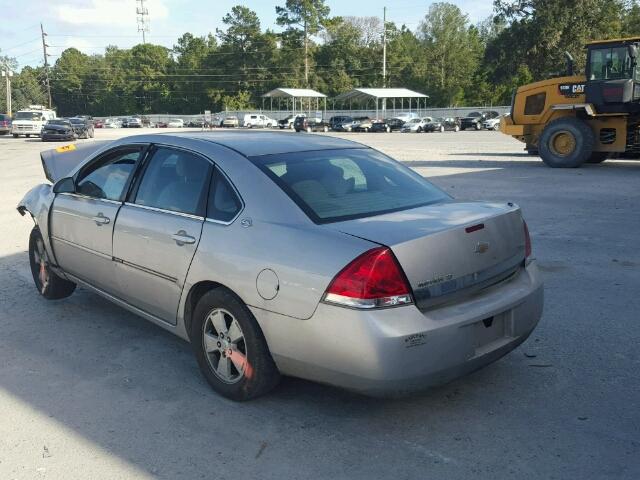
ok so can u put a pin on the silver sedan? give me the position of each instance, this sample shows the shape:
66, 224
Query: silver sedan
278, 254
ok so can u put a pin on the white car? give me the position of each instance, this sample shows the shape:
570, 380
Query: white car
175, 123
492, 124
112, 123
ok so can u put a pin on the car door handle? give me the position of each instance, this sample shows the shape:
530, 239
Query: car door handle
181, 238
100, 219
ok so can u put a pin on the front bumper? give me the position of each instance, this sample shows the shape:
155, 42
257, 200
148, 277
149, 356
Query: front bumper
25, 130
399, 350
57, 136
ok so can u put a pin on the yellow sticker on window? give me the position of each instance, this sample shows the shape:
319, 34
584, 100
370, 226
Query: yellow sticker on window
66, 148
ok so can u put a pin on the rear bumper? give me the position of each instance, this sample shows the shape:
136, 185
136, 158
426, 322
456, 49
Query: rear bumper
400, 350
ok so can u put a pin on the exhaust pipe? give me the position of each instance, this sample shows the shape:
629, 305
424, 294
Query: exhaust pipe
570, 64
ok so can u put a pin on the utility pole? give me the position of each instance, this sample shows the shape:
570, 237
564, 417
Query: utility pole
306, 56
46, 64
143, 22
384, 47
8, 74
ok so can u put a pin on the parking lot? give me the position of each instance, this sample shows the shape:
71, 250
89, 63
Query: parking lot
88, 390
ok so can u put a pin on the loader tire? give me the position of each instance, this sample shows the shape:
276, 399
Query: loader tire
566, 143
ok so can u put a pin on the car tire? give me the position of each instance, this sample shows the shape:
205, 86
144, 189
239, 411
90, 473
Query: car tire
50, 285
598, 157
566, 143
230, 347
419, 129
15, 135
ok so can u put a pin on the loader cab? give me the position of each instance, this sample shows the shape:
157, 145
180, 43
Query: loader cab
613, 76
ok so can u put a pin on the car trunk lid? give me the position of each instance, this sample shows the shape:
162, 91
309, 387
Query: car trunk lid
448, 250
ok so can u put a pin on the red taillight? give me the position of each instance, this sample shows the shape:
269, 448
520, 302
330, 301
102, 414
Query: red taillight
527, 241
374, 279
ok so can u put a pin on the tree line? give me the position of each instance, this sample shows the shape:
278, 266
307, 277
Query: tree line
448, 57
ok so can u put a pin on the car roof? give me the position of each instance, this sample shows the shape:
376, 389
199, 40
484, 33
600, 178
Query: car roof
251, 144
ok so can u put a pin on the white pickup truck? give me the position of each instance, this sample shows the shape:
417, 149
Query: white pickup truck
30, 121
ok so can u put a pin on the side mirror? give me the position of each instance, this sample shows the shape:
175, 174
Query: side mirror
64, 185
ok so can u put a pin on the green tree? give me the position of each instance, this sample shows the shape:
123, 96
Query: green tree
308, 15
452, 52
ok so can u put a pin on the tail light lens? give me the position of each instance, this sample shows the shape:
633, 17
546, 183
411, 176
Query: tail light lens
372, 280
527, 241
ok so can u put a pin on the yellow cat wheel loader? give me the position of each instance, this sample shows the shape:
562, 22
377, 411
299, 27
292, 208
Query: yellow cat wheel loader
579, 119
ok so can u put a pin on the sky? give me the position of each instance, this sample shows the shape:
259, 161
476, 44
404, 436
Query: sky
91, 25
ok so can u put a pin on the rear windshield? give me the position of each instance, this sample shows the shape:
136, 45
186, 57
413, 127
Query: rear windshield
335, 185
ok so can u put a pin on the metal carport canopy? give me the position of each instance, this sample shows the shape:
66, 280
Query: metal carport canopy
379, 93
294, 93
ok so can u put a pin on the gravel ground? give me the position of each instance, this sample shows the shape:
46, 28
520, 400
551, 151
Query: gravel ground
88, 390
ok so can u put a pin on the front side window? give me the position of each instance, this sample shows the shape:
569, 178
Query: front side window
107, 177
334, 185
175, 180
610, 64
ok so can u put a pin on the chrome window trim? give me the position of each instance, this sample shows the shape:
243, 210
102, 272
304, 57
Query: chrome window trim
162, 210
78, 195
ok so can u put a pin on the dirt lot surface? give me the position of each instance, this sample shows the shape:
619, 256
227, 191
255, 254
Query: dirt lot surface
89, 391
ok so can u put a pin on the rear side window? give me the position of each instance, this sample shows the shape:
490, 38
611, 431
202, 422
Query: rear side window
335, 185
534, 104
224, 203
107, 177
175, 180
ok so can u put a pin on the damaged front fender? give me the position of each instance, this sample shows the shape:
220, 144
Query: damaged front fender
37, 202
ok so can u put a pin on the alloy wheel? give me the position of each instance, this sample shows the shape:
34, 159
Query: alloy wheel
224, 346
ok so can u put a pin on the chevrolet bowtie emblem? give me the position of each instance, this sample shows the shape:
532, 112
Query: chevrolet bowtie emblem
482, 247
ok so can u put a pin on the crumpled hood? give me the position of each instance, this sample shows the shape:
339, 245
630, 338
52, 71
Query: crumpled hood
60, 162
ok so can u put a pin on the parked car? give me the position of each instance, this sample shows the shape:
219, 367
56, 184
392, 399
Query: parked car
308, 124
492, 123
98, 124
475, 119
58, 129
287, 122
352, 124
5, 124
230, 122
112, 123
134, 122
175, 123
161, 125
441, 124
273, 255
415, 125
336, 122
363, 125
380, 126
82, 127
253, 120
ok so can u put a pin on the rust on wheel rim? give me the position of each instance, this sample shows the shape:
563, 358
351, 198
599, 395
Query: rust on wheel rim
563, 143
